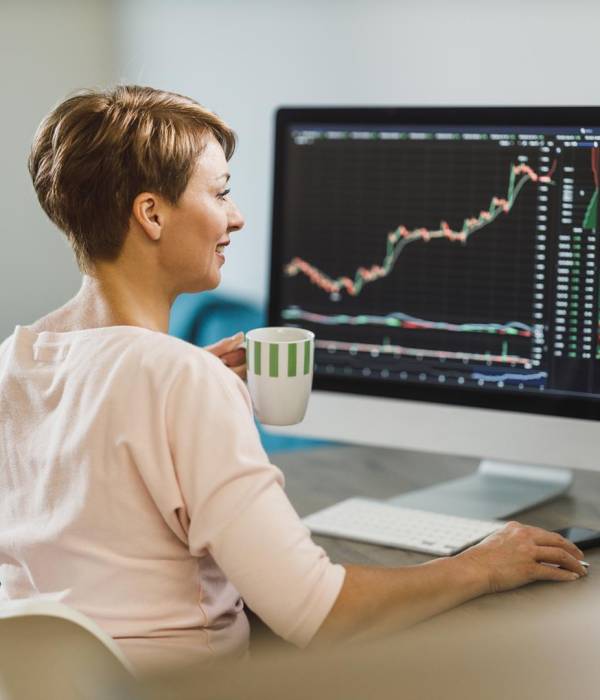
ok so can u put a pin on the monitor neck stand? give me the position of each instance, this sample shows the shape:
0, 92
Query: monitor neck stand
495, 490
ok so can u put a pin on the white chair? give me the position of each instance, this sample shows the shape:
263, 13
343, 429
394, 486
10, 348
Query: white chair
49, 650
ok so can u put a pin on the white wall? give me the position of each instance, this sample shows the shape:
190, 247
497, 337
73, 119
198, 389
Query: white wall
243, 58
47, 49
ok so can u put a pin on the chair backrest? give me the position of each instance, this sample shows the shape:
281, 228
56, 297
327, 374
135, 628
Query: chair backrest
48, 650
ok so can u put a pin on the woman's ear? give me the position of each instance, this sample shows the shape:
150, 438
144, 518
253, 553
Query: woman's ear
149, 212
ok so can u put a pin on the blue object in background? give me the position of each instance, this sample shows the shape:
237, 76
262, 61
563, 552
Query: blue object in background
206, 317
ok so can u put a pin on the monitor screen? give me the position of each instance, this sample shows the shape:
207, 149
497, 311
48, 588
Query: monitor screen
446, 255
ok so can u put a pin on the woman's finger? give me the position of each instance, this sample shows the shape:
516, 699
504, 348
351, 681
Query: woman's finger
235, 358
543, 572
226, 345
560, 557
240, 371
553, 539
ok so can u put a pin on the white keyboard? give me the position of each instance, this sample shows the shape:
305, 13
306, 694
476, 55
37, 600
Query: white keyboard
378, 522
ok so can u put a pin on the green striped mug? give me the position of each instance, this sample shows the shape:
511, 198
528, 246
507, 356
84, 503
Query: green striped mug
280, 371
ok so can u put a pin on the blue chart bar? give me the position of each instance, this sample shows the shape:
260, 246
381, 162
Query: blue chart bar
537, 377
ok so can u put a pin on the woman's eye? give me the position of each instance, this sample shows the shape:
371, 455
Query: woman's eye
223, 194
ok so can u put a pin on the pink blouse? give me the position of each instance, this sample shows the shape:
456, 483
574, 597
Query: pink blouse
133, 487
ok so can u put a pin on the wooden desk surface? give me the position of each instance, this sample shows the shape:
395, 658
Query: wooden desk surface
318, 478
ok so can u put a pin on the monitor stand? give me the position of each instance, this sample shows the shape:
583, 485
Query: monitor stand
495, 490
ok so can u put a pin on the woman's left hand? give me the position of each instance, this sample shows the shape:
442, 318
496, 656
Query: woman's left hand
232, 353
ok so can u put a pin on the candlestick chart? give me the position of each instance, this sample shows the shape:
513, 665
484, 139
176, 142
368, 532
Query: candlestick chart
442, 293
398, 239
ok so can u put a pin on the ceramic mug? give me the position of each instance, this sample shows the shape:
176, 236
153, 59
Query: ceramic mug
280, 364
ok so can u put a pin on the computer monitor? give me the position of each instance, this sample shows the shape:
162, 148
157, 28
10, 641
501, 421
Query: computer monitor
447, 260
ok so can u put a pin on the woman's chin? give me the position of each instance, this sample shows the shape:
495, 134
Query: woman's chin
201, 285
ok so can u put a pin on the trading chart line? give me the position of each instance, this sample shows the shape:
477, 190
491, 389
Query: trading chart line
401, 237
398, 319
399, 350
510, 377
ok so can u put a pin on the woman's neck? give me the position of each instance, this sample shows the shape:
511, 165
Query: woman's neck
109, 299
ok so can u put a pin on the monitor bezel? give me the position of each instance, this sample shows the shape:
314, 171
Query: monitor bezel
556, 116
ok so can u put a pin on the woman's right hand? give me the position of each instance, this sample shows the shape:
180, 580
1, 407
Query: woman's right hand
374, 599
515, 556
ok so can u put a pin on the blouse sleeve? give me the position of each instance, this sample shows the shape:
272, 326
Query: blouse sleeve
236, 507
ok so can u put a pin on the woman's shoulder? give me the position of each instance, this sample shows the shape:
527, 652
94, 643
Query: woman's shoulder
116, 351
126, 355
177, 363
177, 368
155, 349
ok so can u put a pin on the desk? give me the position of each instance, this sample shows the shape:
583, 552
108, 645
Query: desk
540, 641
316, 479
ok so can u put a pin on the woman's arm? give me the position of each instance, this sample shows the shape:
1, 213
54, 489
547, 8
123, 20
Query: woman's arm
239, 513
376, 599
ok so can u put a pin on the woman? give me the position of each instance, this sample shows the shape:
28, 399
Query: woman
134, 486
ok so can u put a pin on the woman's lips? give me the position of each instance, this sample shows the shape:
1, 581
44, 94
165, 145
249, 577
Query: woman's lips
220, 251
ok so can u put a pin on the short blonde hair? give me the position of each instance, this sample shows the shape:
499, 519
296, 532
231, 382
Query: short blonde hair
96, 151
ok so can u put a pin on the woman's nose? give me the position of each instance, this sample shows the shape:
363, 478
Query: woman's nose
236, 220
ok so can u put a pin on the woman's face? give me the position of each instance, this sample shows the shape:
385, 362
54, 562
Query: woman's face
200, 224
